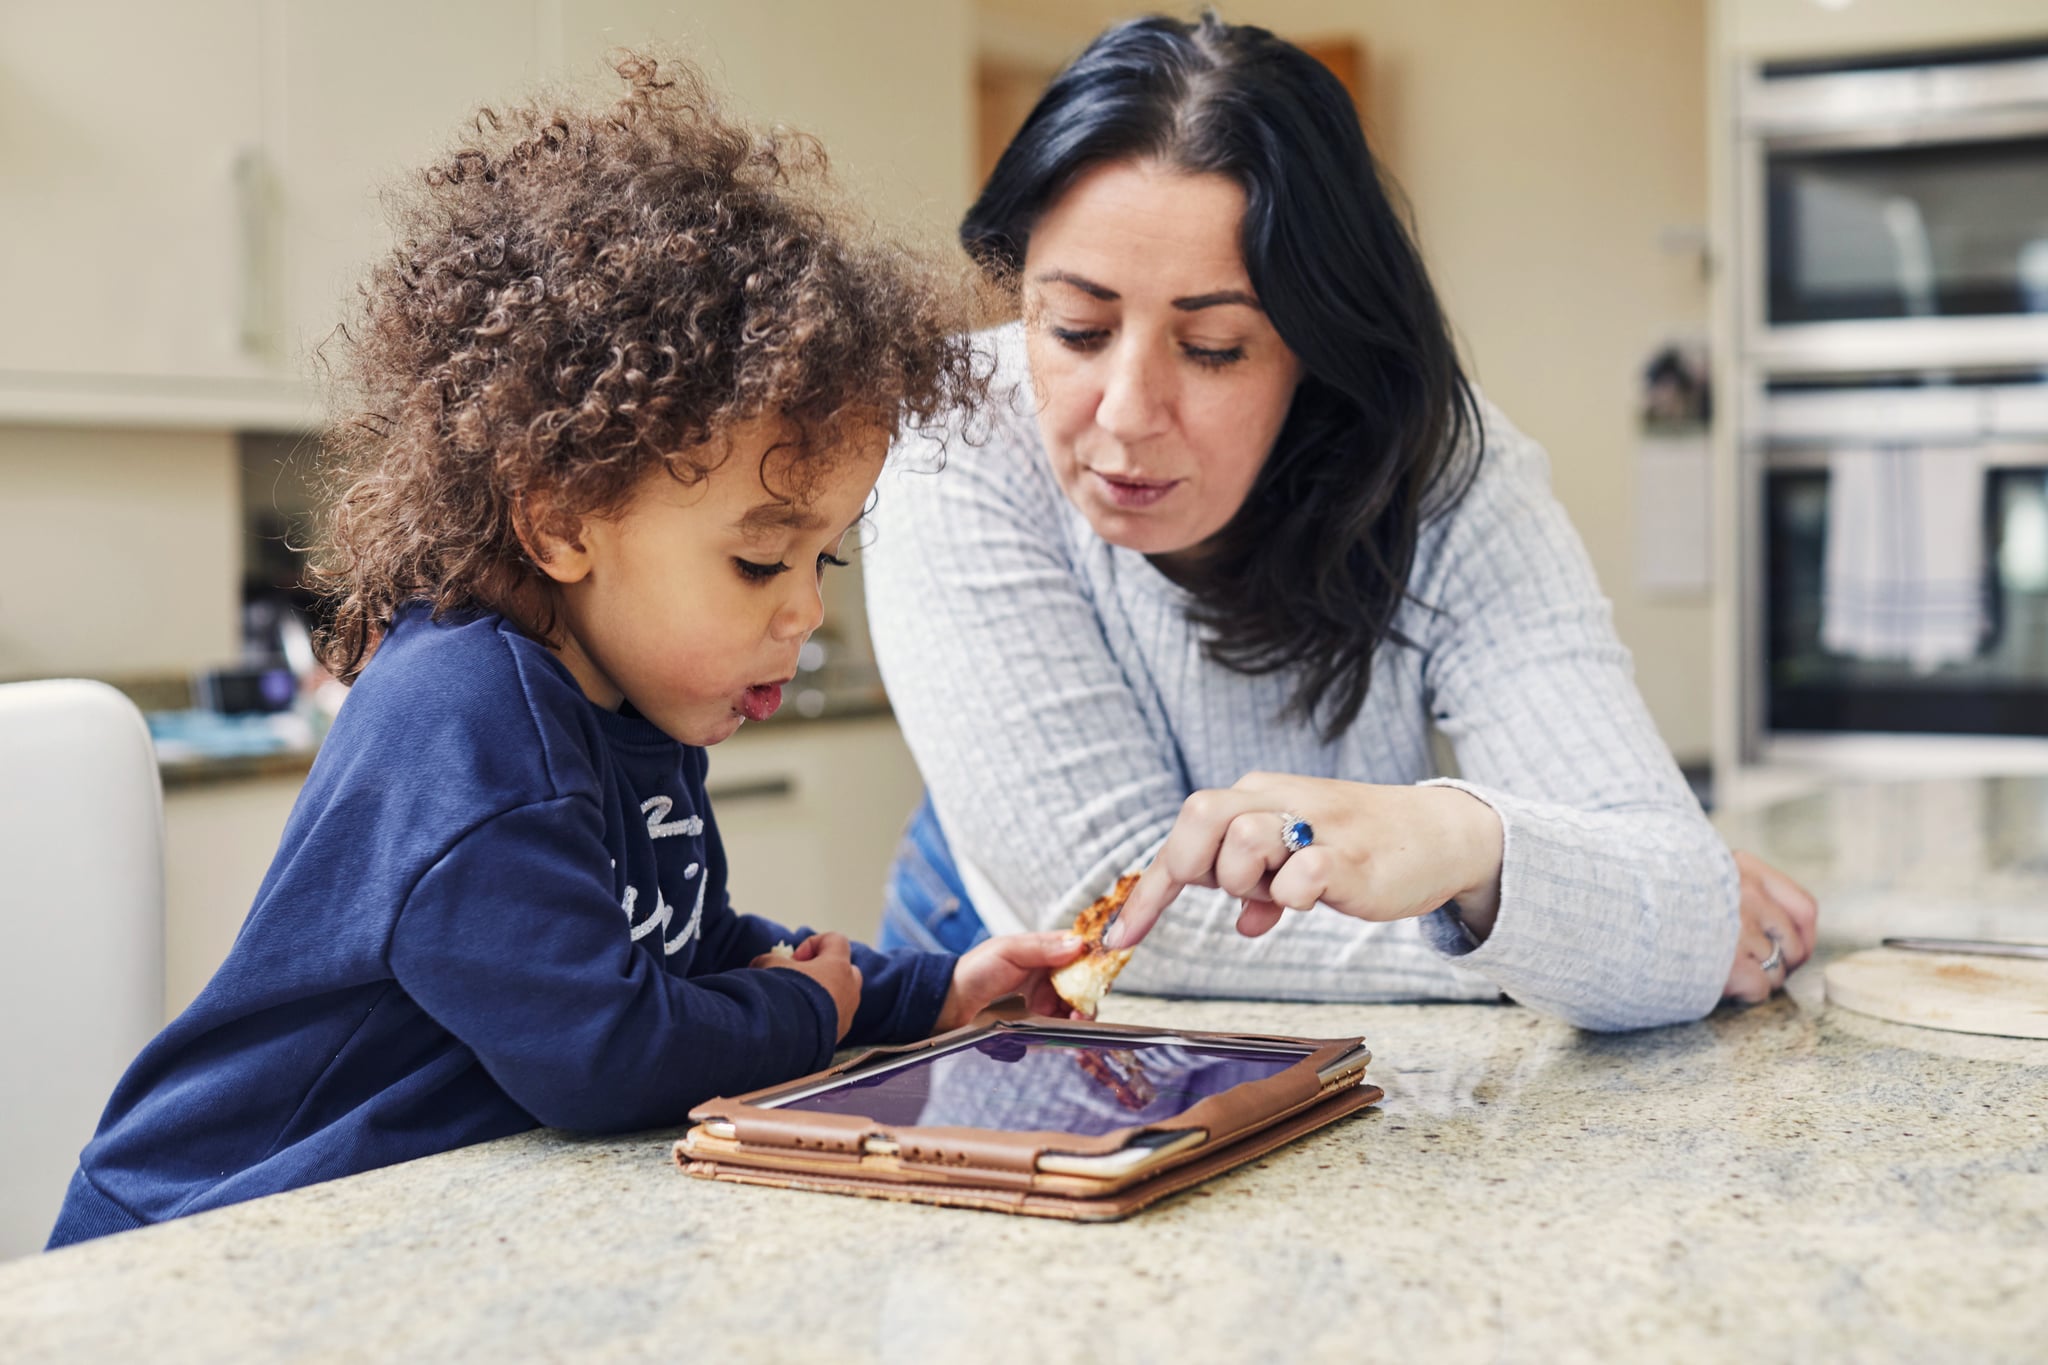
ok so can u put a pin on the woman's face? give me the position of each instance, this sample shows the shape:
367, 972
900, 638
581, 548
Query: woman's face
1161, 384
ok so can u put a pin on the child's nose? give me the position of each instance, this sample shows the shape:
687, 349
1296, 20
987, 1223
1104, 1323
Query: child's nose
799, 614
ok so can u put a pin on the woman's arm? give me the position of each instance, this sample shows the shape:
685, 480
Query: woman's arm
1588, 884
1618, 901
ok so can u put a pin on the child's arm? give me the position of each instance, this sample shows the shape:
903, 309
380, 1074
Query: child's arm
514, 945
901, 993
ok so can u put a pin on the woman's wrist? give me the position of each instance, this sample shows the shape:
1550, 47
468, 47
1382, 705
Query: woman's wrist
1483, 840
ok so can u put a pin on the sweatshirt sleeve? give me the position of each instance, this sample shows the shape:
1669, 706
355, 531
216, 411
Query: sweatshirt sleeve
901, 993
512, 944
1618, 899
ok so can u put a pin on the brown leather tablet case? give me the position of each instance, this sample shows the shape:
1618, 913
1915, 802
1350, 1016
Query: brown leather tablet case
998, 1170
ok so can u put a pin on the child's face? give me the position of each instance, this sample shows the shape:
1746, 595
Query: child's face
693, 600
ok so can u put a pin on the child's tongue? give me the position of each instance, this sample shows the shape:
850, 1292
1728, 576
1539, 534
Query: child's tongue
759, 702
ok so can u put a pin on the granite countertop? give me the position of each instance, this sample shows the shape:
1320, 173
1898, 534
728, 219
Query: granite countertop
1788, 1182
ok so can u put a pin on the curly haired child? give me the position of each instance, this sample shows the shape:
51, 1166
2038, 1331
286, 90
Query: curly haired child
629, 379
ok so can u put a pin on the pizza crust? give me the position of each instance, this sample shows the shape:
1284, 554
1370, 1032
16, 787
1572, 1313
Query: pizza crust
1083, 982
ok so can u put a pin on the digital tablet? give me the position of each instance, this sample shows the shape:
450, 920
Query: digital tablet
1070, 1108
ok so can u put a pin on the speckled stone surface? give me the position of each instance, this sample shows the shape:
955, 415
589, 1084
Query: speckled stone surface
1789, 1182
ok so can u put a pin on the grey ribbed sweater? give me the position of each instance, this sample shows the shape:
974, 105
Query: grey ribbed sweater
1057, 701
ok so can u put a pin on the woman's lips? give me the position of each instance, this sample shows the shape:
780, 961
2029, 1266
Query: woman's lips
761, 700
1132, 493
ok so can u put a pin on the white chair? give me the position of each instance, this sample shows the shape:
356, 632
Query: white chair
81, 930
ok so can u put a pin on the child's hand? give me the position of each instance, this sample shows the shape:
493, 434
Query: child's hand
828, 960
1008, 965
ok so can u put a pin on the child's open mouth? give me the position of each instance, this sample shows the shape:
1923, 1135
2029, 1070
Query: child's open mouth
760, 701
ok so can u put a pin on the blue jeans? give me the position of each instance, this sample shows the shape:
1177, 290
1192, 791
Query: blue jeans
924, 906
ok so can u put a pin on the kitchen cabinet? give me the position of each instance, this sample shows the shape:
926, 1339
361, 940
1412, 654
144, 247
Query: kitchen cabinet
370, 93
1817, 28
191, 191
120, 208
810, 812
219, 838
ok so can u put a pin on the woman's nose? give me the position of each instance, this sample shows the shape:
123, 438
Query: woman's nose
1135, 403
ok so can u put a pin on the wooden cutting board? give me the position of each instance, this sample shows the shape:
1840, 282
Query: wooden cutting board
1953, 991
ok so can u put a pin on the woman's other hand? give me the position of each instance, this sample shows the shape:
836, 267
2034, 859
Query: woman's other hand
1011, 964
1779, 922
1376, 852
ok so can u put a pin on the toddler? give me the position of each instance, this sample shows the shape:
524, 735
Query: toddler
626, 384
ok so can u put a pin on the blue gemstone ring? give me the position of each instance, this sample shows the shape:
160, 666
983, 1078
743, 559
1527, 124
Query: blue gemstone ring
1295, 835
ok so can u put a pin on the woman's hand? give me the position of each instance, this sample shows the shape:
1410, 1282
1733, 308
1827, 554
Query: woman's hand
1378, 852
1011, 964
828, 960
1779, 922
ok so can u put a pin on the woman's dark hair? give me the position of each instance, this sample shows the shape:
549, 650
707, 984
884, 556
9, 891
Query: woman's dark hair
1383, 432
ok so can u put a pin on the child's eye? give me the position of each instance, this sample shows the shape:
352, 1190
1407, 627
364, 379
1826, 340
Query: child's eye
1214, 359
759, 573
1079, 339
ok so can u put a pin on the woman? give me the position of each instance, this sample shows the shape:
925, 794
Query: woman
1247, 517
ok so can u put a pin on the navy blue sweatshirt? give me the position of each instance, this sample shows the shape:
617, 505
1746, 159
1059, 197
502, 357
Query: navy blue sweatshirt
496, 906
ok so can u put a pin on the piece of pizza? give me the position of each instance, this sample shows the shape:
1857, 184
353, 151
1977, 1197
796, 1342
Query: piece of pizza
1083, 982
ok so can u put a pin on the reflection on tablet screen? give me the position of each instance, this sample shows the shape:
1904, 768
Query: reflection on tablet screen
1048, 1082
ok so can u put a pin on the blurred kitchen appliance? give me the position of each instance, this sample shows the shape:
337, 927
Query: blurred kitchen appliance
1891, 288
1990, 432
1896, 210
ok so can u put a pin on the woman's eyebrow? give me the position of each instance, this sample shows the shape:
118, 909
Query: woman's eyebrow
1193, 303
1085, 285
1196, 302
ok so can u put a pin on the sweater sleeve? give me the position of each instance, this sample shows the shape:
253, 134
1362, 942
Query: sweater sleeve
1618, 900
513, 943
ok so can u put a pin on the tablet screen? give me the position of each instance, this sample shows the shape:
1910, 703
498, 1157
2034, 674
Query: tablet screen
1046, 1081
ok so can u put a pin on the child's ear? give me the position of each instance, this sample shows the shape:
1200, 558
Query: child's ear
562, 558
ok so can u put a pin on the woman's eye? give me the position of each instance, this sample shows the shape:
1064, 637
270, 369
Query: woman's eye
759, 573
829, 560
1080, 339
1214, 359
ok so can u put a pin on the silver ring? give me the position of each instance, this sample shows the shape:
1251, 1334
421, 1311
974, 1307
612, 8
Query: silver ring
1295, 835
1777, 957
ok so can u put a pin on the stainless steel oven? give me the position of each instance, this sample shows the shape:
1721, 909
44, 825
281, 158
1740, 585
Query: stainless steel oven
1890, 296
1988, 432
1897, 209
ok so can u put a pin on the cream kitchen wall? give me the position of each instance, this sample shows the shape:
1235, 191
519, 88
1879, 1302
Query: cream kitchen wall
887, 86
1549, 152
